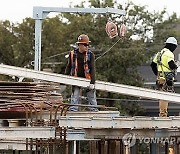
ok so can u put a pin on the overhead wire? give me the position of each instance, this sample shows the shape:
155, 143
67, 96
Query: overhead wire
108, 49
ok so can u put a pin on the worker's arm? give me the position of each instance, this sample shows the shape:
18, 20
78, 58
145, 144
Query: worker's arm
68, 66
172, 65
154, 67
92, 69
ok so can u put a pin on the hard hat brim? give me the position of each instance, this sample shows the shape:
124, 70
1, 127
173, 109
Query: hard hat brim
170, 43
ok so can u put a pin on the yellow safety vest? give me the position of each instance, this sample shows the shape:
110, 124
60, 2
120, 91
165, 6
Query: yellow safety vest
162, 58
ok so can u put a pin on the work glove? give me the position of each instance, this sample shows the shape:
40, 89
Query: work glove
177, 63
91, 87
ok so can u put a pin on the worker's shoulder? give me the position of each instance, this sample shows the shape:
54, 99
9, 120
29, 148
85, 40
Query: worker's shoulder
92, 55
167, 52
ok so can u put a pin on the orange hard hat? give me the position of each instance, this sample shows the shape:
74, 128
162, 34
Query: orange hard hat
83, 39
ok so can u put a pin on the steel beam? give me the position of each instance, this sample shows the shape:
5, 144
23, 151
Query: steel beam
13, 145
41, 12
120, 122
77, 135
117, 134
46, 115
26, 132
98, 134
37, 58
100, 85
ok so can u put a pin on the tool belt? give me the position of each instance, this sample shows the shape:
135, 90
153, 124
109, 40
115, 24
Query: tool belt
165, 81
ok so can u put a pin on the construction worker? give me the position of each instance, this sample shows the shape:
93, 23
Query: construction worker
164, 67
81, 63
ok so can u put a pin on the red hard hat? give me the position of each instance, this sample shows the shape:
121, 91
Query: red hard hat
83, 39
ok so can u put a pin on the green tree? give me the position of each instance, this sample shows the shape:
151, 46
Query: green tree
24, 47
7, 41
54, 44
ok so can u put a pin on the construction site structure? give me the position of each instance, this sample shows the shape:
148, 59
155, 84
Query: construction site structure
36, 120
48, 127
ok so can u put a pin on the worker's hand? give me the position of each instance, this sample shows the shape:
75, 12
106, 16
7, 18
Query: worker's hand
91, 87
177, 63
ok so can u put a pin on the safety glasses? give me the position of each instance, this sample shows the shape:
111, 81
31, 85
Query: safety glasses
85, 44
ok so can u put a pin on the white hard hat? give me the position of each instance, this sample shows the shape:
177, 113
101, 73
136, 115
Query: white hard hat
171, 40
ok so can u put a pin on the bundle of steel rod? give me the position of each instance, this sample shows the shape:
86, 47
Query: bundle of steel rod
21, 97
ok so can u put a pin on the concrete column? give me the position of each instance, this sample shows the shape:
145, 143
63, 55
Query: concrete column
111, 146
73, 147
93, 147
70, 147
118, 147
153, 148
77, 147
102, 147
166, 148
51, 147
133, 149
176, 146
121, 147
67, 147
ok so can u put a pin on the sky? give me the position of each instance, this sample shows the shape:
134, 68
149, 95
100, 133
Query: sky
17, 10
